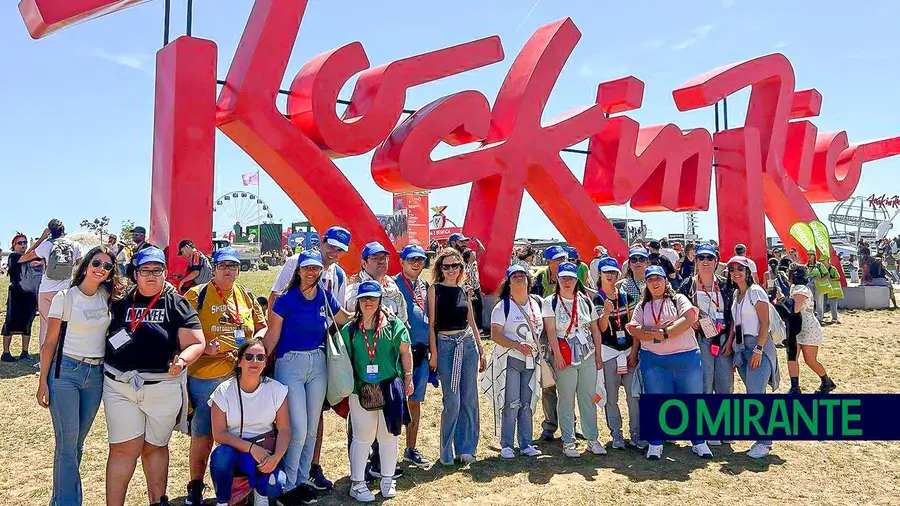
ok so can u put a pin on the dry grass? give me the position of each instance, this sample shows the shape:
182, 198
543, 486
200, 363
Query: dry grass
861, 355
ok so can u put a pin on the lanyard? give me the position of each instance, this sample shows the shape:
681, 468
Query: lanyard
573, 321
136, 322
619, 316
417, 296
236, 318
371, 349
657, 318
531, 315
708, 296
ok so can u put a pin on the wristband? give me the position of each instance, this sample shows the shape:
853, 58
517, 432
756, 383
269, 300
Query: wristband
757, 351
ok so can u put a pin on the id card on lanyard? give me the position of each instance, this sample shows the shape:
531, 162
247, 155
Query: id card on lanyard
573, 322
372, 368
620, 321
418, 296
123, 336
239, 334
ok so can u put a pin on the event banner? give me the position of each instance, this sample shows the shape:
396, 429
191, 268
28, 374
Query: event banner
804, 235
410, 220
771, 416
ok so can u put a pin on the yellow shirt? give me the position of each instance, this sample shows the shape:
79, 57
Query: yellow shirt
217, 320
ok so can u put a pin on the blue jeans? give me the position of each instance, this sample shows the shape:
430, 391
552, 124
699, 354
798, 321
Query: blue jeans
577, 383
226, 459
680, 373
74, 401
755, 380
303, 372
718, 371
459, 420
199, 391
517, 405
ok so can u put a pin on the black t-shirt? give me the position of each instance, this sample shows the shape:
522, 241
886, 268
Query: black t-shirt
617, 319
665, 263
14, 270
155, 341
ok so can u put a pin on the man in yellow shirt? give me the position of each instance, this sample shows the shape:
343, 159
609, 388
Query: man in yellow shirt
229, 315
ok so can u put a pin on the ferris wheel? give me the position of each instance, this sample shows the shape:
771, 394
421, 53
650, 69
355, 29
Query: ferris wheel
239, 208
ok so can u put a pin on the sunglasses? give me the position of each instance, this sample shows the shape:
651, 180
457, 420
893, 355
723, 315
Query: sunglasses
107, 266
449, 267
637, 260
21, 243
147, 273
706, 258
259, 357
736, 268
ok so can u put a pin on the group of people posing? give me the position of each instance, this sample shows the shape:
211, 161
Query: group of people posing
250, 378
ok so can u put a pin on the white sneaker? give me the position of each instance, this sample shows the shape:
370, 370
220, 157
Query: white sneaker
569, 450
654, 452
507, 453
360, 491
596, 448
530, 451
714, 442
388, 488
702, 451
758, 451
259, 499
466, 458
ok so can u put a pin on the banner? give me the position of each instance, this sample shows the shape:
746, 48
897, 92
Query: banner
804, 235
443, 234
411, 214
823, 242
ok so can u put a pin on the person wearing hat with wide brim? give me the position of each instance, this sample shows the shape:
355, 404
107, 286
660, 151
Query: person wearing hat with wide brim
299, 321
334, 245
155, 335
620, 356
670, 356
229, 316
574, 338
378, 345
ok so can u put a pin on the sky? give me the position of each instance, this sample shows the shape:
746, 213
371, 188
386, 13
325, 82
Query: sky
76, 142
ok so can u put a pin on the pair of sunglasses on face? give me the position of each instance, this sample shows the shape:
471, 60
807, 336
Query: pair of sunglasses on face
736, 268
448, 267
706, 258
638, 260
259, 357
107, 266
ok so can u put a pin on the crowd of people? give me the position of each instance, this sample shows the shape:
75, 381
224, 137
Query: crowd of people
251, 378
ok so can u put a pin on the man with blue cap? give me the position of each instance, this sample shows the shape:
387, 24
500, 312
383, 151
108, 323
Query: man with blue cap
458, 241
545, 278
374, 268
229, 316
415, 293
335, 242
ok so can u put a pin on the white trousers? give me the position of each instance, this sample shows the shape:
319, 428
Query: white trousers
367, 426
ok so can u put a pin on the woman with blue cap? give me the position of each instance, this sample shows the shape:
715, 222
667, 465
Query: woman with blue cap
614, 306
301, 317
516, 327
638, 260
574, 337
378, 344
669, 356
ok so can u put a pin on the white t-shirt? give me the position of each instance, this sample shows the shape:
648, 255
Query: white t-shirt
53, 285
260, 407
745, 311
330, 279
88, 322
515, 328
669, 253
563, 314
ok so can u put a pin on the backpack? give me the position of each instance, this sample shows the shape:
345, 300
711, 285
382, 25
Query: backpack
205, 275
506, 304
61, 260
30, 277
777, 326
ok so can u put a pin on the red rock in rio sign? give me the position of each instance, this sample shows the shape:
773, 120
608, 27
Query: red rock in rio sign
770, 167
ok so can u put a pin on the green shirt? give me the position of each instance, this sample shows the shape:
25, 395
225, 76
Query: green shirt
387, 351
584, 273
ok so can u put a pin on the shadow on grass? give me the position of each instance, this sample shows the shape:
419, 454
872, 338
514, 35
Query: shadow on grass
18, 368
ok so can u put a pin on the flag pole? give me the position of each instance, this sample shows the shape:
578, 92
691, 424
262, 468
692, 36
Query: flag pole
258, 213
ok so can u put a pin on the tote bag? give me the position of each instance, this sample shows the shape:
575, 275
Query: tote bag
338, 365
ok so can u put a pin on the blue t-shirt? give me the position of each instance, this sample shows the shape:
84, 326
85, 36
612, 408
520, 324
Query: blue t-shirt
418, 329
304, 325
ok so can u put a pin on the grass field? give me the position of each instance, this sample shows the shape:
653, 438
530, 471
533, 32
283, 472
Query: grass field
861, 355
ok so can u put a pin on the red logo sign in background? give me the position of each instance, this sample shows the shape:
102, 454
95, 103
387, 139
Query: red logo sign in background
774, 165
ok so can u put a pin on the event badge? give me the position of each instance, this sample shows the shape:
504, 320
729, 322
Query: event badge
371, 373
620, 338
582, 338
720, 321
239, 338
425, 319
119, 339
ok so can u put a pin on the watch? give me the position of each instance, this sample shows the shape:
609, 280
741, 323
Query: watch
758, 347
665, 334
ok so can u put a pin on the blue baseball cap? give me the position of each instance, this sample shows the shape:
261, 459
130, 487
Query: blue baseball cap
369, 289
457, 237
609, 264
706, 249
638, 251
514, 269
228, 254
338, 237
555, 253
372, 248
573, 253
655, 270
310, 258
150, 255
412, 251
567, 270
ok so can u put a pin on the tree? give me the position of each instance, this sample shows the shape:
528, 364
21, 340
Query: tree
125, 235
98, 226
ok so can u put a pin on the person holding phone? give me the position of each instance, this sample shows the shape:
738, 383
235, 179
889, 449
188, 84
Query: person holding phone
154, 336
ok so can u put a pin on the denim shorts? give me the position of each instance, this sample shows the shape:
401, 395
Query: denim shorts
199, 391
420, 381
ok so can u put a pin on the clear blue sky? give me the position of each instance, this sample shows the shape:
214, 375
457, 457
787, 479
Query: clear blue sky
78, 105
